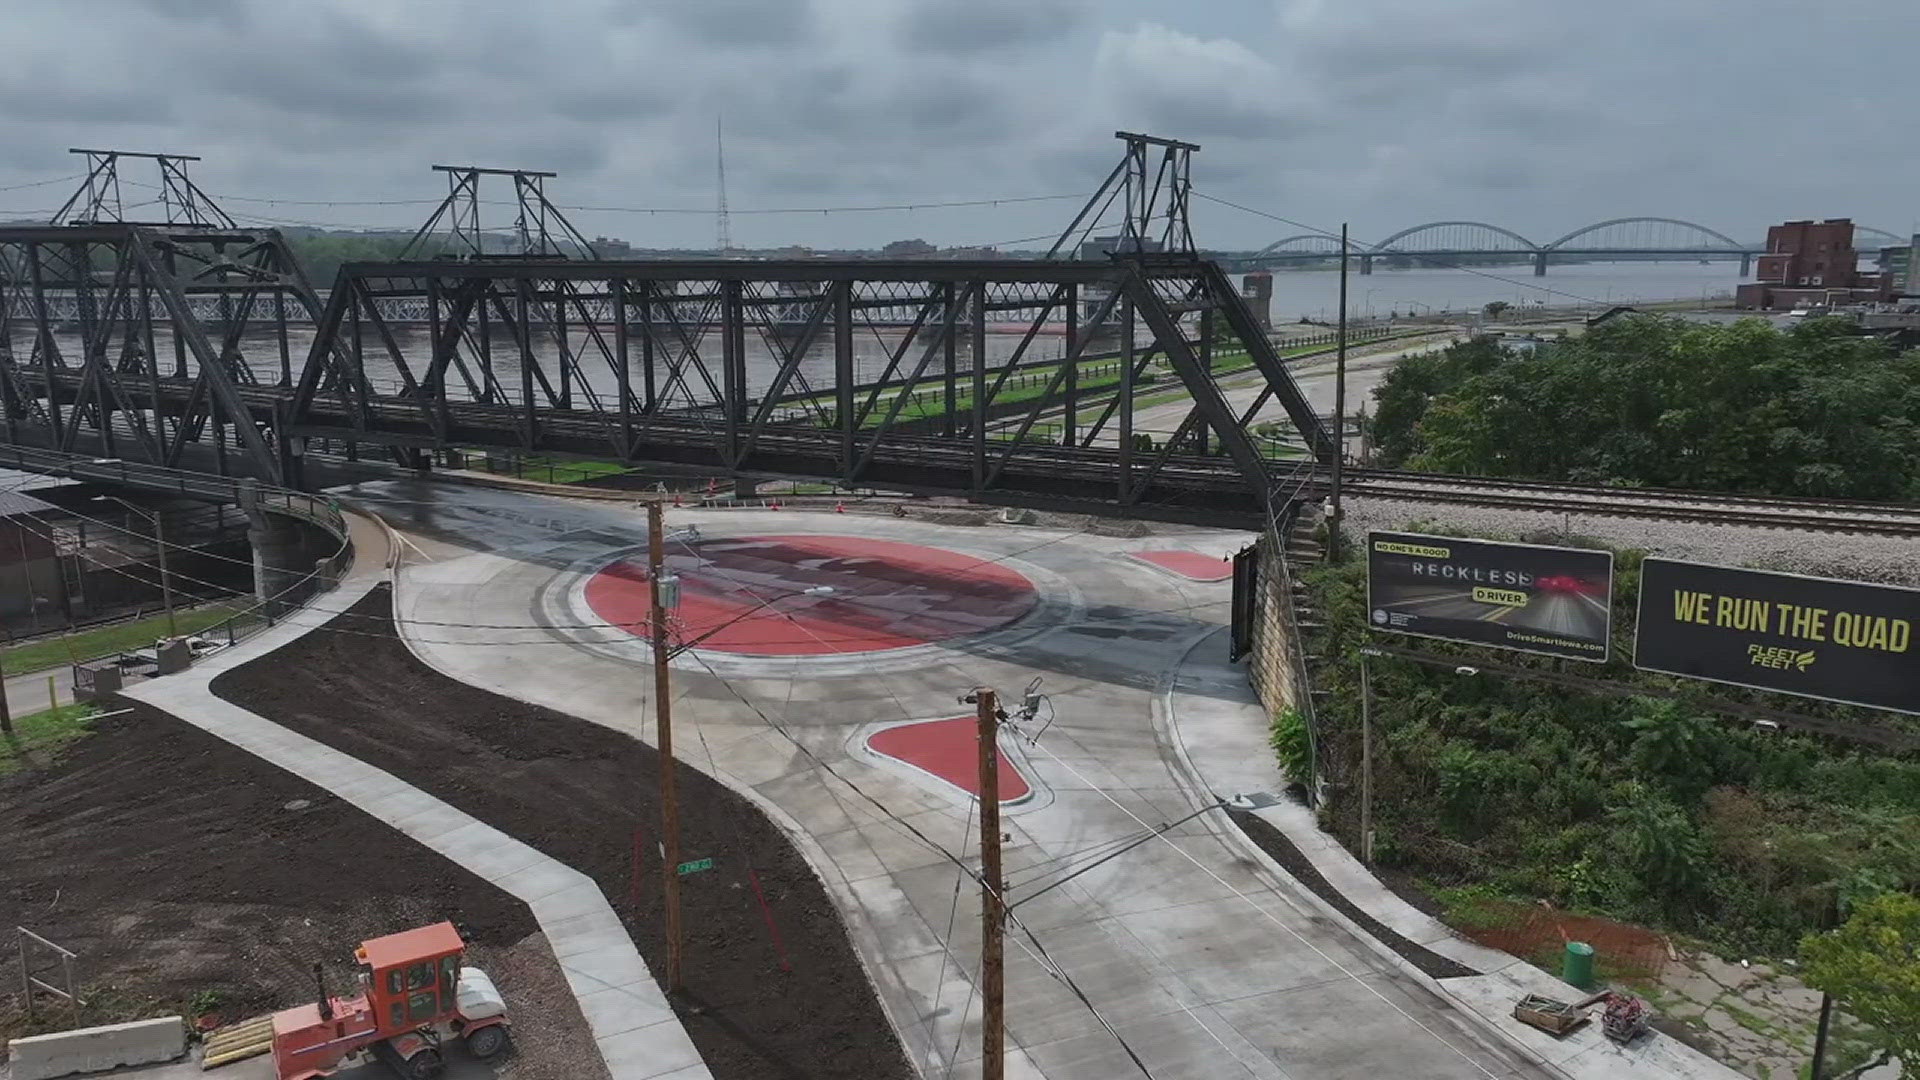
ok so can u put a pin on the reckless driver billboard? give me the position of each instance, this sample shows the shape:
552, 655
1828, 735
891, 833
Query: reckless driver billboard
1843, 641
1551, 600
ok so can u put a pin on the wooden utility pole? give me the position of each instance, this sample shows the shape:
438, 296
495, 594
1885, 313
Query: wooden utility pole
6, 718
1339, 407
663, 741
993, 913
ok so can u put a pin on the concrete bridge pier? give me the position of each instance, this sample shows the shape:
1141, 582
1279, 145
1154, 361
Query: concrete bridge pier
1746, 263
283, 555
1540, 264
1366, 265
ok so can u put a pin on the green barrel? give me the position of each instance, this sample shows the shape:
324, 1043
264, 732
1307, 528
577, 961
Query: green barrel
1576, 966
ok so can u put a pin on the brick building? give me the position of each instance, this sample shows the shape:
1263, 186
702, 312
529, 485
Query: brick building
1811, 264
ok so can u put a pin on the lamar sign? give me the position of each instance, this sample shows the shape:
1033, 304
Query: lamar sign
1844, 641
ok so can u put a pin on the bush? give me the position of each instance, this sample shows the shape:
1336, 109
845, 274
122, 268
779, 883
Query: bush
1291, 743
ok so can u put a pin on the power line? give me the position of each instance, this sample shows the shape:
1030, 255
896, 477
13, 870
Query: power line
42, 183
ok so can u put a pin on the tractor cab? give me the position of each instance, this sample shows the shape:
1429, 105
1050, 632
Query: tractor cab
413, 993
412, 979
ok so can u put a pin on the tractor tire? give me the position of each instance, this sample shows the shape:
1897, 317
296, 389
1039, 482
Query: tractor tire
488, 1041
425, 1065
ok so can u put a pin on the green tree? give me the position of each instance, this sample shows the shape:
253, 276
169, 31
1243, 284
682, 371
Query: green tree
1814, 411
1673, 746
1660, 842
1494, 308
1871, 965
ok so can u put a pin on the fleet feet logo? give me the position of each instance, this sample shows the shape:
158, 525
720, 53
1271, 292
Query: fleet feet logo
1780, 657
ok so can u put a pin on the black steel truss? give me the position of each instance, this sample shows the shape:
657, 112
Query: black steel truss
139, 341
539, 229
100, 197
1153, 195
867, 373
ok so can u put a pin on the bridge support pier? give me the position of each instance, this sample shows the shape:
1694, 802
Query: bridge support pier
1540, 265
283, 556
1366, 265
1746, 264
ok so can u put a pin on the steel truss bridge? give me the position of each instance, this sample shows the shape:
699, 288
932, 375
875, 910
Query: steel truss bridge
203, 346
1471, 240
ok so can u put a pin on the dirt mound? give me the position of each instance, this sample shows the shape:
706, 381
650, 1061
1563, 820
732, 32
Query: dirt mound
190, 875
757, 1005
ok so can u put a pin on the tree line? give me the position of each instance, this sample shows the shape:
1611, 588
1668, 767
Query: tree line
1814, 410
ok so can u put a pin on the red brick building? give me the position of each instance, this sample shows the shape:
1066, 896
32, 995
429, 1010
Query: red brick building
1811, 264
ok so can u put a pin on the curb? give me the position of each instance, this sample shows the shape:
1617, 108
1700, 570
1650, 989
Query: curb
859, 928
1188, 777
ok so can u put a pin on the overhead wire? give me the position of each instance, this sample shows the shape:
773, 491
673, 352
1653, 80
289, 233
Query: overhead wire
43, 183
1058, 972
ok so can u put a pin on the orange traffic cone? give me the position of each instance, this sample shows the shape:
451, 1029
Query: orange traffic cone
839, 507
776, 503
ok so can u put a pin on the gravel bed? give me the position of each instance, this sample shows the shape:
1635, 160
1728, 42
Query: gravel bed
1857, 557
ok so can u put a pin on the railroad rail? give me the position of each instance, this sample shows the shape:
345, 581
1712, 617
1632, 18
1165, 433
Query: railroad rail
1711, 508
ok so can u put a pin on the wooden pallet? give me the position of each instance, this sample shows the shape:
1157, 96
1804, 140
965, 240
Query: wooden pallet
238, 1041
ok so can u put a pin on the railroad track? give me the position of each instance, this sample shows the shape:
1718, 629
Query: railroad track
1713, 508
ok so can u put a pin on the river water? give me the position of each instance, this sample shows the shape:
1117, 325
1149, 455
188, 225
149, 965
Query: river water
1310, 294
1315, 294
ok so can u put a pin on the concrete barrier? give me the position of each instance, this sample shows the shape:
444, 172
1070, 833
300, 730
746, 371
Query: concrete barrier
41, 1057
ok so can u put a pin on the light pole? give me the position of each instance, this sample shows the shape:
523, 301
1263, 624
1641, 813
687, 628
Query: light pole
160, 544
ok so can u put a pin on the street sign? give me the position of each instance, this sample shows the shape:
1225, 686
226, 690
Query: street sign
1552, 600
1843, 641
695, 866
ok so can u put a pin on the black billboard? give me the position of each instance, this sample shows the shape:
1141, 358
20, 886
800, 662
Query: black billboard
1844, 641
1551, 600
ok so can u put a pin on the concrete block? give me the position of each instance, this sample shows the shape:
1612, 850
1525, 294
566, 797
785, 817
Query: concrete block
40, 1057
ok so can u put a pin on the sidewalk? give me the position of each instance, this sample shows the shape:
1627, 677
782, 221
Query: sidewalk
638, 1035
1220, 731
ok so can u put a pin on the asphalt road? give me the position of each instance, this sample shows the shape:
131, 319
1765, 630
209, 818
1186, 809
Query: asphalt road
1203, 962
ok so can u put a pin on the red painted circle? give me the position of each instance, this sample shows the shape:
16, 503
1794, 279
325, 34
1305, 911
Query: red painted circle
747, 595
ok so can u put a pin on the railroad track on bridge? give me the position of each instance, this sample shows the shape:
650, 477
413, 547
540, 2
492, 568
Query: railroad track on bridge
1596, 500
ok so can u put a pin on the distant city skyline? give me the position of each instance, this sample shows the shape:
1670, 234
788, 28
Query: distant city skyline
1540, 117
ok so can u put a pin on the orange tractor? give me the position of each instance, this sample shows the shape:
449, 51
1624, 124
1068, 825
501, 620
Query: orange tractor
414, 995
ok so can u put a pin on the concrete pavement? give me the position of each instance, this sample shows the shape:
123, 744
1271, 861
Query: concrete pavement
1204, 961
637, 1032
1219, 732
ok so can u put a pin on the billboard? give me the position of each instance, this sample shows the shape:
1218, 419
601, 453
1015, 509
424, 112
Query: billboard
1551, 600
1844, 641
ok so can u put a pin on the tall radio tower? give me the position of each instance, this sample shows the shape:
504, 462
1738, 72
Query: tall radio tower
722, 225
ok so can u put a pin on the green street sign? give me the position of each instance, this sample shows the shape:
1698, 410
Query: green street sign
695, 866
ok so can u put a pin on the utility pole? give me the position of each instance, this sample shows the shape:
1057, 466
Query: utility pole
1820, 1038
663, 741
166, 581
6, 717
993, 912
1339, 405
1366, 759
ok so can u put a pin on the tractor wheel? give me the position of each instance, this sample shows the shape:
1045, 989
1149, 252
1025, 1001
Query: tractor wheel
487, 1041
425, 1065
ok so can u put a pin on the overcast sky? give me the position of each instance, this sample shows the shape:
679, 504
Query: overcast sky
1540, 115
